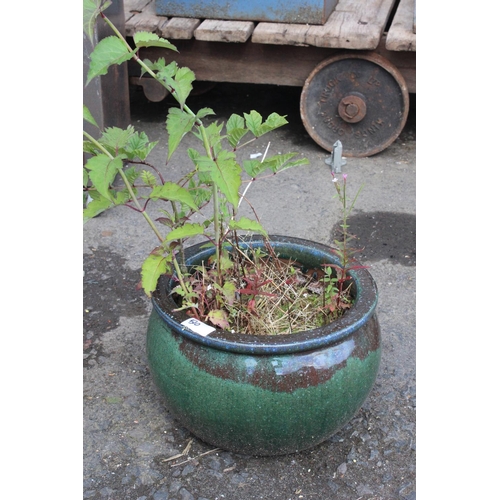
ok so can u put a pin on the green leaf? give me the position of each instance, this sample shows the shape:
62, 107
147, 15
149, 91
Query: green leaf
246, 224
88, 116
148, 178
91, 11
275, 164
235, 128
229, 290
117, 138
164, 73
274, 120
153, 267
95, 207
252, 167
254, 122
193, 154
146, 39
173, 192
218, 317
139, 146
182, 85
236, 135
179, 123
186, 231
131, 174
235, 122
225, 173
204, 112
121, 197
103, 171
110, 50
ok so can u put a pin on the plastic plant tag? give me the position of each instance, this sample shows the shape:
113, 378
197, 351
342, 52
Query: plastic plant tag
198, 327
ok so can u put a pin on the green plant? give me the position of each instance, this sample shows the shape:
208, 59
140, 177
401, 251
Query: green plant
336, 279
234, 281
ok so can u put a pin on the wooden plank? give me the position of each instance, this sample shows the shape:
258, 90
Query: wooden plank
280, 34
136, 5
140, 15
352, 25
402, 35
212, 30
144, 21
243, 62
180, 28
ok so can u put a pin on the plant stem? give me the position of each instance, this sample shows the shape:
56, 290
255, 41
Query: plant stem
129, 187
145, 66
215, 198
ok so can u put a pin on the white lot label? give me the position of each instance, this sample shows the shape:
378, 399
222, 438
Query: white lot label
198, 327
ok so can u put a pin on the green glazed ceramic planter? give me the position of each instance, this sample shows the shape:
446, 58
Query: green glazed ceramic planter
267, 395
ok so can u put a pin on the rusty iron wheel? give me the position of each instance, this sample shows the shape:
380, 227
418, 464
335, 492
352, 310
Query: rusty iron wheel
360, 99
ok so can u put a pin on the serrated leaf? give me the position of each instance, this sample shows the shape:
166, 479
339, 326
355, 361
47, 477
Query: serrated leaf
253, 122
131, 174
121, 197
252, 167
186, 231
275, 164
179, 123
204, 112
274, 120
213, 134
218, 317
110, 50
148, 178
235, 128
193, 154
225, 173
235, 136
182, 85
235, 122
173, 192
245, 224
87, 115
138, 146
102, 173
147, 39
164, 73
96, 207
91, 11
117, 138
229, 291
153, 267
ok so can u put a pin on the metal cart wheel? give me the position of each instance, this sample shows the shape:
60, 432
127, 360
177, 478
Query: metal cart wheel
360, 99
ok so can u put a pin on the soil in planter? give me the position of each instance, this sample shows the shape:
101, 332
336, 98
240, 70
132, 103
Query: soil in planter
267, 296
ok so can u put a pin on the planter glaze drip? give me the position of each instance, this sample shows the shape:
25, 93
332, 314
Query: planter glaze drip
267, 395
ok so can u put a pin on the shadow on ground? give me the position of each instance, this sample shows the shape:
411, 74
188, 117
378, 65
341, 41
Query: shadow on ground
383, 235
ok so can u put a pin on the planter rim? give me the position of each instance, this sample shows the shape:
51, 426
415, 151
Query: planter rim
225, 340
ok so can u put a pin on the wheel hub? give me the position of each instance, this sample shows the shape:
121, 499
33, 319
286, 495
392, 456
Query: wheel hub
352, 109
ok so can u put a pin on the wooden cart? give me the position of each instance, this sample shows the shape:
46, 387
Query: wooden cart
356, 71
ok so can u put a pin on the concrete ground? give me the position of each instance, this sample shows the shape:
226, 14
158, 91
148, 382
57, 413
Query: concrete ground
129, 435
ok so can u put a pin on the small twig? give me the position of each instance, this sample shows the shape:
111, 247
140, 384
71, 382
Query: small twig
182, 454
198, 456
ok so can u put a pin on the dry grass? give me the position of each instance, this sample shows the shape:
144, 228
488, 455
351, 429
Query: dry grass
289, 301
